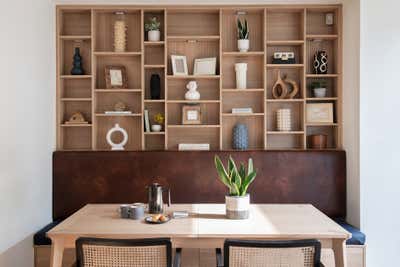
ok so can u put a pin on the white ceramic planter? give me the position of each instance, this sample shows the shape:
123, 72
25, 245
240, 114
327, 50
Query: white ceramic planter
156, 128
319, 92
243, 45
237, 208
153, 36
241, 75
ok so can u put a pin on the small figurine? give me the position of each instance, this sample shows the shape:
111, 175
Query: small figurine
120, 106
192, 94
76, 118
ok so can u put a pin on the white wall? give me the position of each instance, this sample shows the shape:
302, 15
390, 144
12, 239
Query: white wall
27, 126
380, 128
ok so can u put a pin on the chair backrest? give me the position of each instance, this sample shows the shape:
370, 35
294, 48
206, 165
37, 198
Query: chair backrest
255, 253
99, 252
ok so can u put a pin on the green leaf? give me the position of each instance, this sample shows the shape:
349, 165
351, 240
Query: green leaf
250, 166
222, 174
249, 179
242, 171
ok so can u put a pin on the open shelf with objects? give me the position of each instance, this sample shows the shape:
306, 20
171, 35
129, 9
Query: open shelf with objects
153, 91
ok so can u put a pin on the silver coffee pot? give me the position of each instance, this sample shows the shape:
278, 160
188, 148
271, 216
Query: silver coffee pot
155, 198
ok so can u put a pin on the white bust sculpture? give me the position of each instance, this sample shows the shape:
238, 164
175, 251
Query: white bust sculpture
192, 94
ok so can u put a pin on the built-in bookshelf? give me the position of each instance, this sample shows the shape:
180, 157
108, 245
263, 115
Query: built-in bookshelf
196, 32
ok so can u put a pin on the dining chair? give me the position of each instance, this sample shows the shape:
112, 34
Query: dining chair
265, 253
149, 252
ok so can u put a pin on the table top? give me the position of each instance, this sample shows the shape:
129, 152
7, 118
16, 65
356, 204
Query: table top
277, 221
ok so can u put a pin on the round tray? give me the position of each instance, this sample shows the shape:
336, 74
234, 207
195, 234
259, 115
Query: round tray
149, 220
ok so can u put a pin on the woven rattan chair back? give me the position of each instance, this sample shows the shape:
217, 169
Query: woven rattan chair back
98, 252
248, 253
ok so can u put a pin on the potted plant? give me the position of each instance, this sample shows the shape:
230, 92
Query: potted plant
237, 180
243, 36
159, 119
319, 88
153, 30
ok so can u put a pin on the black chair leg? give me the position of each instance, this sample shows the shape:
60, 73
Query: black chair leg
220, 261
177, 258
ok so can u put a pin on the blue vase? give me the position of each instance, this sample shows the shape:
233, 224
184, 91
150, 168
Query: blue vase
240, 137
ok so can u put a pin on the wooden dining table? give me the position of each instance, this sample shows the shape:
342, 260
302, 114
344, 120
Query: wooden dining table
205, 227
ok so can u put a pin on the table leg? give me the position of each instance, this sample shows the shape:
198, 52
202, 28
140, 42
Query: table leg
57, 251
339, 248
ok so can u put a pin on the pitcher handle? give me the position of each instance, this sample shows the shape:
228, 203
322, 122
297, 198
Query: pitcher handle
169, 196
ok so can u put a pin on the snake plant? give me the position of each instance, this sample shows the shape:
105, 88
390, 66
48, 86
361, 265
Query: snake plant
236, 179
243, 29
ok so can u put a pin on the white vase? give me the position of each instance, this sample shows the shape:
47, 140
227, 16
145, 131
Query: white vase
153, 36
156, 128
243, 45
237, 207
241, 75
192, 94
319, 92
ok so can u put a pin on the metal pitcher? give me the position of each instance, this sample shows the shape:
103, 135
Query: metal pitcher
155, 198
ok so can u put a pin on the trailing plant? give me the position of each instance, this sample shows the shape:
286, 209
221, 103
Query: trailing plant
159, 118
236, 179
318, 84
152, 25
243, 29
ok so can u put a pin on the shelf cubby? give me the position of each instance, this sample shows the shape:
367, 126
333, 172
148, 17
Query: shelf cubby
330, 130
255, 125
285, 141
208, 89
296, 109
255, 20
147, 77
132, 124
131, 64
234, 100
193, 22
193, 135
68, 51
106, 102
209, 113
71, 107
155, 141
295, 74
330, 46
154, 55
285, 24
75, 22
316, 22
105, 19
296, 48
76, 88
193, 49
255, 71
331, 87
76, 138
154, 108
159, 14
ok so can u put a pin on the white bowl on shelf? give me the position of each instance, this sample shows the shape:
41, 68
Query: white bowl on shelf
156, 128
319, 92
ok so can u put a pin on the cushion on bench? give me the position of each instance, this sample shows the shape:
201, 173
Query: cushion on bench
357, 237
40, 238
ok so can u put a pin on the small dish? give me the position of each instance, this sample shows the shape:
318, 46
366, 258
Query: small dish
149, 219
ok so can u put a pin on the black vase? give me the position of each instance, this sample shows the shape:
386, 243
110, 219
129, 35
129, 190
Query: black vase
77, 63
155, 86
320, 62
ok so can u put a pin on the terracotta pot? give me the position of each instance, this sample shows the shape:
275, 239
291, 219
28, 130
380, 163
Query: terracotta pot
318, 141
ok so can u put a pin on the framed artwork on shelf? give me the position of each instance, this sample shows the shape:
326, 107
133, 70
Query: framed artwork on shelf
116, 77
179, 65
191, 114
205, 66
319, 113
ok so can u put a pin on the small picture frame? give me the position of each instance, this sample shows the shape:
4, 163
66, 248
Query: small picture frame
319, 113
205, 66
179, 65
116, 77
191, 114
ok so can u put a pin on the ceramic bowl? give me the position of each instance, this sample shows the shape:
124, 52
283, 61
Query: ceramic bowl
155, 128
320, 92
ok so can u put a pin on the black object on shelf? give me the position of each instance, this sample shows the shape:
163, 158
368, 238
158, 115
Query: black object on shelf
320, 62
77, 63
155, 86
283, 58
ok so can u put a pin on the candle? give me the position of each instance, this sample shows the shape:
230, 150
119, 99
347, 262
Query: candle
119, 36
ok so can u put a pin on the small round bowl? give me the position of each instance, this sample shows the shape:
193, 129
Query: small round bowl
320, 92
155, 128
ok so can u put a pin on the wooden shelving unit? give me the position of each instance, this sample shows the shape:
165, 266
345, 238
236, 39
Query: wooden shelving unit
196, 32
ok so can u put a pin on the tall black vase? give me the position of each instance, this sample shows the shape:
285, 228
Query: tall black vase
77, 63
155, 86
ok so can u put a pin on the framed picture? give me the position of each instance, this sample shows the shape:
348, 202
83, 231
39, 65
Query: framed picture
205, 66
116, 77
191, 114
179, 65
319, 113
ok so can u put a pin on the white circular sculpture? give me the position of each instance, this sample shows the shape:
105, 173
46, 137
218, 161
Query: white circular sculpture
192, 94
113, 145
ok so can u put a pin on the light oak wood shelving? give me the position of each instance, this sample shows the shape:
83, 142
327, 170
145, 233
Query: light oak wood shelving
196, 32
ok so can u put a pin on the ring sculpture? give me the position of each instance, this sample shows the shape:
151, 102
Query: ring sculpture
113, 145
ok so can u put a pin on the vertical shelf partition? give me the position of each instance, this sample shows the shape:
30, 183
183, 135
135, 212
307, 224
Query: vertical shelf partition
196, 32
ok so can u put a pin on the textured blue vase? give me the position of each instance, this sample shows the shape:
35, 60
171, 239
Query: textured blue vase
240, 137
